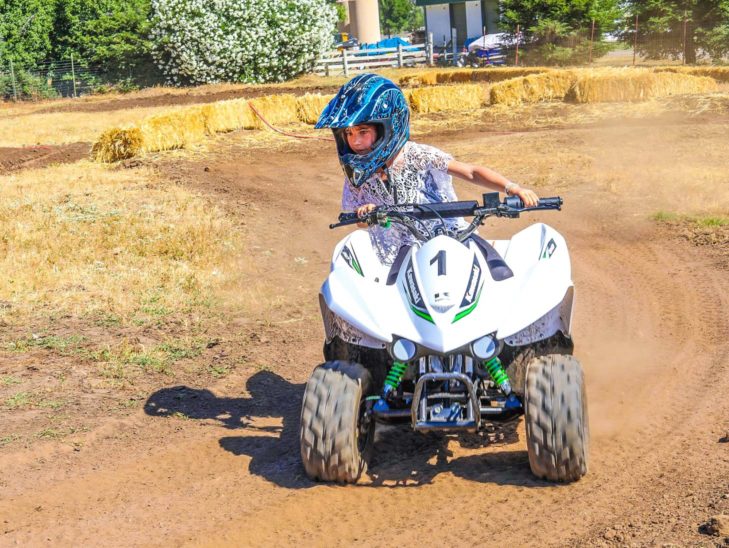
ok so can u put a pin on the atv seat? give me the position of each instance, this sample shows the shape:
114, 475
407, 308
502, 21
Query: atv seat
497, 265
396, 264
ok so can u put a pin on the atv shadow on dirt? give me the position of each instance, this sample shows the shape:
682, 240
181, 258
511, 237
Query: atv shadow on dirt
405, 458
275, 452
401, 458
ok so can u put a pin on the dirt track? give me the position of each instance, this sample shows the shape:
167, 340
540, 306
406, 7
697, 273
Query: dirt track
220, 465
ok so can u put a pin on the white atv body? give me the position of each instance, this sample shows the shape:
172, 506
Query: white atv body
458, 331
445, 294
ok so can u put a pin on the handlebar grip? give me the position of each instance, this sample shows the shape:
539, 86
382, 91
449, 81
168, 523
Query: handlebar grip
551, 202
515, 202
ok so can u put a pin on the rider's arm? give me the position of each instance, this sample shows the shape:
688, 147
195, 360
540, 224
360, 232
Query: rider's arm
490, 179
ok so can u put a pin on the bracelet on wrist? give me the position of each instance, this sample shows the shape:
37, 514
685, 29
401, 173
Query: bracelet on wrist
510, 188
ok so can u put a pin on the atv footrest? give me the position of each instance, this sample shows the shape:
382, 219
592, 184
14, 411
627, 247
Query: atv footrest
428, 416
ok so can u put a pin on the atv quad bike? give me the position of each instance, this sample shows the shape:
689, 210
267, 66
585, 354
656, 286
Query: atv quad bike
456, 333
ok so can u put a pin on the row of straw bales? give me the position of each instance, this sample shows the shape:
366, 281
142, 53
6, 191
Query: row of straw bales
597, 86
720, 74
634, 85
462, 76
187, 126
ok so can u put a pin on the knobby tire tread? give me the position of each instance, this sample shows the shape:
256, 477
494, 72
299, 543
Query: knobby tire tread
556, 418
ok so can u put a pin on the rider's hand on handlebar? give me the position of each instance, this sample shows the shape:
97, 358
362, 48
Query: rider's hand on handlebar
529, 197
363, 211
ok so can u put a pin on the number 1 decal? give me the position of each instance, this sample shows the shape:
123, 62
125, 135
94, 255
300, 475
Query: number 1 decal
440, 257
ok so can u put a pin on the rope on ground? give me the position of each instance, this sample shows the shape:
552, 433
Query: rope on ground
286, 133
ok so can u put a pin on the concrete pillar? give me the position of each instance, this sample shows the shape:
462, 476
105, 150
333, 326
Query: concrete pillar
364, 16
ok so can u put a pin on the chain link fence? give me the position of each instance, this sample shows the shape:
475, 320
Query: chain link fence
68, 78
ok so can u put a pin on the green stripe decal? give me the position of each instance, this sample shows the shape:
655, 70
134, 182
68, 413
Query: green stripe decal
355, 265
463, 313
422, 314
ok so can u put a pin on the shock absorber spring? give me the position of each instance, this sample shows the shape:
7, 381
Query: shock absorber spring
397, 372
495, 369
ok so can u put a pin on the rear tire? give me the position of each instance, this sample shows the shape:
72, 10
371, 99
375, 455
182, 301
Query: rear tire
336, 437
557, 431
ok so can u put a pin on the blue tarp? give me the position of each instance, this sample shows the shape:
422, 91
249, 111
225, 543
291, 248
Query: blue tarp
388, 43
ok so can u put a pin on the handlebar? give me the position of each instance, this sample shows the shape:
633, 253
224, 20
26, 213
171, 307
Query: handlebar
412, 214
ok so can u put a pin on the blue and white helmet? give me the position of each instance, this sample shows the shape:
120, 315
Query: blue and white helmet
368, 99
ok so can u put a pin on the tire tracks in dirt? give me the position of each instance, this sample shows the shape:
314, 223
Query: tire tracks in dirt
650, 330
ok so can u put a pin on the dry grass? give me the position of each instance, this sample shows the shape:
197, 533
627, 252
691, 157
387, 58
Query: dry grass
446, 98
620, 85
59, 128
85, 239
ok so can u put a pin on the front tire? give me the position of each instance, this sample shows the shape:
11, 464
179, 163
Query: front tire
336, 436
557, 431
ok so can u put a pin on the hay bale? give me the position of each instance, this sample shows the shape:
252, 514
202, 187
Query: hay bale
276, 109
633, 85
460, 76
549, 86
720, 74
445, 98
227, 116
310, 106
425, 78
493, 75
174, 130
117, 144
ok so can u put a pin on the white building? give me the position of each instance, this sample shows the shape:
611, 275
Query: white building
469, 19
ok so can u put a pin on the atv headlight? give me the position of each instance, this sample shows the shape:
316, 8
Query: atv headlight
403, 350
484, 348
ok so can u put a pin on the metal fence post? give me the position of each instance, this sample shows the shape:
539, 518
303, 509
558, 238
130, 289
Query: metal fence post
12, 78
399, 56
73, 76
454, 45
429, 50
344, 62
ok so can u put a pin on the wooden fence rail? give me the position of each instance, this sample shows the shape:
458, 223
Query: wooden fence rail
344, 62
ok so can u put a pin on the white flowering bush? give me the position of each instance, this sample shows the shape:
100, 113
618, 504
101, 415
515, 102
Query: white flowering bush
251, 41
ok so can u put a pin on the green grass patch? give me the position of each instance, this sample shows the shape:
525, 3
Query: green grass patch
708, 221
16, 401
219, 370
55, 433
7, 380
124, 361
63, 345
664, 217
7, 440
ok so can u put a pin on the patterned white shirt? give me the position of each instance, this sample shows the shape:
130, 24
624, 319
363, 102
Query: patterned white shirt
419, 176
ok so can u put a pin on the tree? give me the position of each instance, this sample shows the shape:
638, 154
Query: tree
399, 15
112, 34
558, 31
25, 31
239, 40
675, 28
